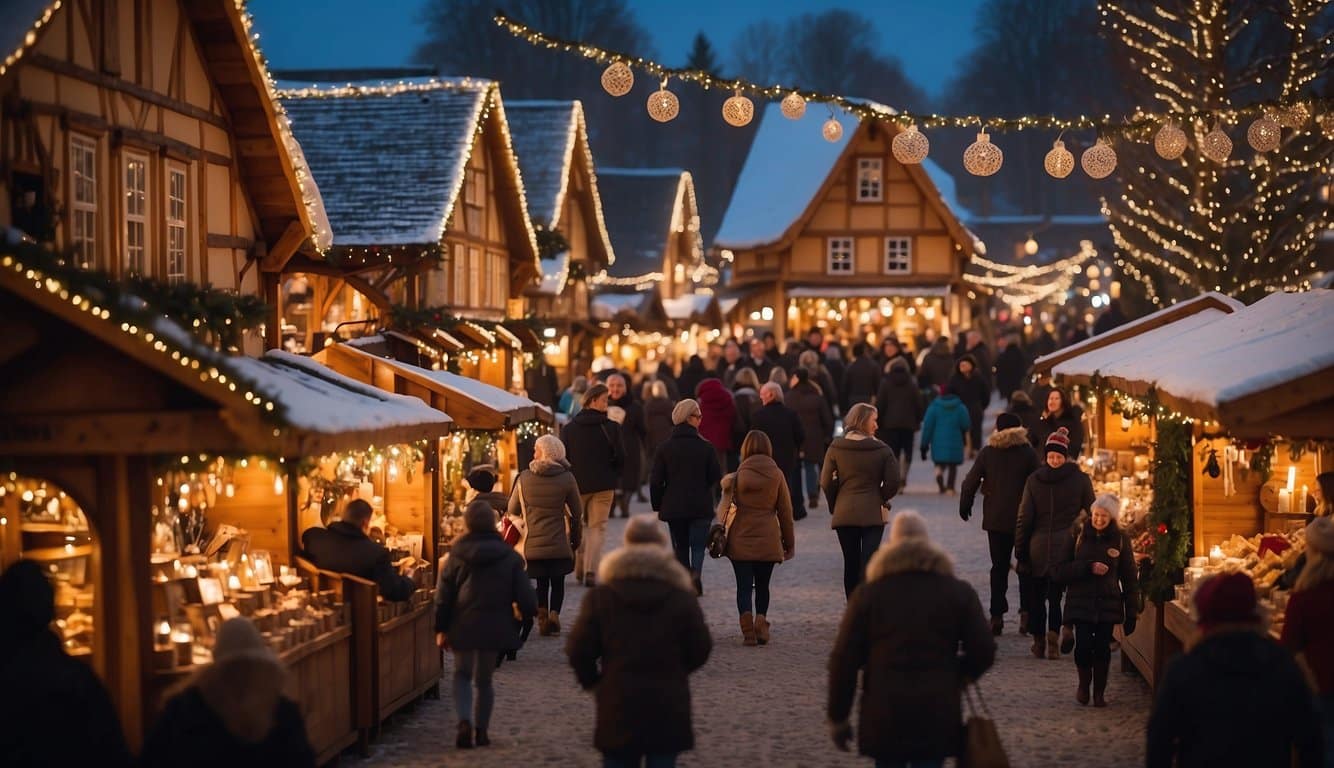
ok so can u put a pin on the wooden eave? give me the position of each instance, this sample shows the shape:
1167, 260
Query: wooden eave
589, 203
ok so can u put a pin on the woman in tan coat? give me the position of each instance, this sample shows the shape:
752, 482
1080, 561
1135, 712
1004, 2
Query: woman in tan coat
546, 496
860, 476
759, 531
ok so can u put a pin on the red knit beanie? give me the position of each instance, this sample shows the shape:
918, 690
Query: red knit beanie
1226, 599
1059, 441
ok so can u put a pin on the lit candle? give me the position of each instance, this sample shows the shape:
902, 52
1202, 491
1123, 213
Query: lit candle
164, 634
233, 583
1284, 501
1292, 479
1301, 501
1216, 555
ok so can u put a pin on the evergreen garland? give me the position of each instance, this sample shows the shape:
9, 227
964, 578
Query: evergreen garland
550, 242
1170, 512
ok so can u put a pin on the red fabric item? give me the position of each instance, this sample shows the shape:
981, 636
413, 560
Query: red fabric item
1308, 628
1059, 441
717, 413
510, 532
1226, 599
1275, 544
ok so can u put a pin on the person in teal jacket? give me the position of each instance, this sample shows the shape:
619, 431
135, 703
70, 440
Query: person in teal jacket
943, 432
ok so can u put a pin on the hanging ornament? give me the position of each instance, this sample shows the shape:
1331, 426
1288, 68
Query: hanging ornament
663, 105
1293, 115
793, 106
982, 158
832, 130
1216, 145
738, 110
1211, 467
910, 146
1326, 122
618, 79
1264, 134
1098, 160
1170, 141
1059, 162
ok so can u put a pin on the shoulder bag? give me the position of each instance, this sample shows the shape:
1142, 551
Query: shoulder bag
981, 741
717, 543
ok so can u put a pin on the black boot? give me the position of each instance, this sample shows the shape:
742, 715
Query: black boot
698, 580
1085, 679
482, 740
464, 740
1100, 668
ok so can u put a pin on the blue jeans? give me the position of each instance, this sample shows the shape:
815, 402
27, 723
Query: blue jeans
474, 667
812, 471
933, 763
689, 538
635, 761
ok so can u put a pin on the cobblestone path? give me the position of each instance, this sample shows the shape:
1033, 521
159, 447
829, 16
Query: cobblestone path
764, 706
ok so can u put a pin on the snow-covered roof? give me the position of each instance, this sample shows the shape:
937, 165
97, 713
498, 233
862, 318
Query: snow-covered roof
865, 292
641, 209
555, 272
316, 399
544, 133
688, 306
787, 164
1215, 303
494, 398
606, 306
389, 159
1117, 358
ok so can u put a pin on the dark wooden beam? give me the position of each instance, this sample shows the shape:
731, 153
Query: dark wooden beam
116, 84
77, 434
282, 251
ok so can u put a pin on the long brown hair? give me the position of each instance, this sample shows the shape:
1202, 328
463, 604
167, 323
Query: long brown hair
1319, 569
756, 443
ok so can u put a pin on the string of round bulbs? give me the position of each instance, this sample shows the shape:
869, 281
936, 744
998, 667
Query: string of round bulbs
982, 157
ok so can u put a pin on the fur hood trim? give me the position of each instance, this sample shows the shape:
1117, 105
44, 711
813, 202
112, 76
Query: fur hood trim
645, 561
1008, 438
548, 467
909, 556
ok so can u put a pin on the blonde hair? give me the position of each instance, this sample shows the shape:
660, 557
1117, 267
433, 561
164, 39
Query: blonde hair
1319, 569
746, 377
658, 389
756, 443
858, 417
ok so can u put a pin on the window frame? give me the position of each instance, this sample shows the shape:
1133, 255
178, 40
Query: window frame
904, 259
132, 221
83, 212
172, 223
861, 193
458, 290
848, 252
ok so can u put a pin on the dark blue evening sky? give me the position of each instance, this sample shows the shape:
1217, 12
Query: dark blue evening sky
928, 37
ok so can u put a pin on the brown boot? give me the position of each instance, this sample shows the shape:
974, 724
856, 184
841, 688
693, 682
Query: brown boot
1100, 668
1067, 638
542, 622
1053, 645
997, 625
1085, 678
553, 623
761, 629
747, 629
1039, 647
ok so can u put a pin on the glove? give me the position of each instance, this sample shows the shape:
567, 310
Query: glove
965, 513
841, 733
924, 453
574, 543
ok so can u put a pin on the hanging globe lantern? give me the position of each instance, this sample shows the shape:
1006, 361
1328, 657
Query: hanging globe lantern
1098, 160
910, 146
1170, 141
793, 106
1216, 145
1326, 122
982, 158
1293, 115
832, 130
738, 110
663, 105
618, 79
1264, 134
1059, 162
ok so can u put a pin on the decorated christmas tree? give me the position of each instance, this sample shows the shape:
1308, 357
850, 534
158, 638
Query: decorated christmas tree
1241, 208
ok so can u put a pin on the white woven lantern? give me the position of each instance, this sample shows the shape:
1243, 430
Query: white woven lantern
982, 158
1098, 160
738, 110
1264, 134
1327, 124
1293, 116
618, 79
663, 105
832, 130
793, 106
910, 146
1059, 162
1170, 141
1216, 145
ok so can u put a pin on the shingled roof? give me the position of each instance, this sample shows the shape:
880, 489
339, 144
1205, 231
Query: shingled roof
641, 205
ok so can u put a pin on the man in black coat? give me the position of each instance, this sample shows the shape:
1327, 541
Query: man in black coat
596, 455
1237, 697
682, 486
1010, 366
345, 547
540, 382
758, 359
54, 709
785, 432
1001, 469
975, 393
861, 381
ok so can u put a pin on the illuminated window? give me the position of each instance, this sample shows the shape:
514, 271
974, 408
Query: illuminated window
898, 254
83, 194
136, 214
474, 277
869, 175
459, 290
840, 250
178, 227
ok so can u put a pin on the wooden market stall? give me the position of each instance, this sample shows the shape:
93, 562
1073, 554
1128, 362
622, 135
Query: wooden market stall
164, 480
1254, 388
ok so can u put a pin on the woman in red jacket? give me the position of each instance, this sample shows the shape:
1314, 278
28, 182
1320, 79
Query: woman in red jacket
717, 417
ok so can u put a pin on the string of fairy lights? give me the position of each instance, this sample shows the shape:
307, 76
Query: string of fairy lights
981, 158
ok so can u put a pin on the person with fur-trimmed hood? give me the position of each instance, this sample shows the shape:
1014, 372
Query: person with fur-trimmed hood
911, 614
1100, 592
1000, 471
639, 635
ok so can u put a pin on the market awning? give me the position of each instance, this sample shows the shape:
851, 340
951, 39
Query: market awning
526, 335
1081, 365
866, 292
641, 310
470, 403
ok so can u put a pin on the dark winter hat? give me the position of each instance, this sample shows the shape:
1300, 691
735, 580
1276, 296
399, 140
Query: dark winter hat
1007, 421
802, 375
1059, 442
482, 478
27, 600
1226, 599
